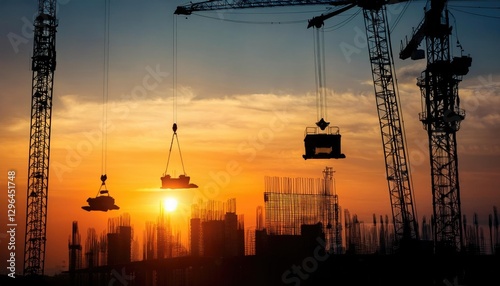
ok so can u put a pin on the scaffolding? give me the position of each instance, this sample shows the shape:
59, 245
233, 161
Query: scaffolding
213, 210
160, 241
293, 202
92, 249
149, 242
118, 240
216, 229
164, 247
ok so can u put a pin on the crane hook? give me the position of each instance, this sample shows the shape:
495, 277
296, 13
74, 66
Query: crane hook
174, 127
104, 178
322, 124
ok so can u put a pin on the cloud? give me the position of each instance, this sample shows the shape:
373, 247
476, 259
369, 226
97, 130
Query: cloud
269, 125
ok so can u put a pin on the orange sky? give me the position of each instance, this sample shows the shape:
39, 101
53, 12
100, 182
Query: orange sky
228, 146
233, 131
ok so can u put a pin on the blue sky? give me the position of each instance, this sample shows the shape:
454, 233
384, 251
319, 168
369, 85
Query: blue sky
239, 72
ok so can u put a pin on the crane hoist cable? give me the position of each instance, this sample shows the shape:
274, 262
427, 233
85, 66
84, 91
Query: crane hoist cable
174, 135
323, 143
182, 182
103, 201
105, 89
174, 99
319, 69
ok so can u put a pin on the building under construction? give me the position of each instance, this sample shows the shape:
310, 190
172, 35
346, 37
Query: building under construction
119, 240
301, 234
298, 209
111, 247
291, 243
160, 241
216, 230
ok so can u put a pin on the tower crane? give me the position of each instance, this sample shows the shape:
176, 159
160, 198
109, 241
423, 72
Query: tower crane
441, 117
391, 125
43, 67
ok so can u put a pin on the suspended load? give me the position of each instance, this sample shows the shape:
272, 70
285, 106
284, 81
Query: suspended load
182, 182
103, 201
323, 142
167, 182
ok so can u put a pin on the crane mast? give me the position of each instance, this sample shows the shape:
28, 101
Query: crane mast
380, 54
43, 66
441, 117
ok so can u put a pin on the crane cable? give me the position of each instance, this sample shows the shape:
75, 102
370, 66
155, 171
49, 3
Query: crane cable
174, 98
174, 70
105, 96
319, 73
343, 23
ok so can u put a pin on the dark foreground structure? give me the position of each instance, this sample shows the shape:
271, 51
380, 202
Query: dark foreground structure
316, 269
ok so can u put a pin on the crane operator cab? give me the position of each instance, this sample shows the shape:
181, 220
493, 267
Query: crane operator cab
322, 142
103, 201
167, 182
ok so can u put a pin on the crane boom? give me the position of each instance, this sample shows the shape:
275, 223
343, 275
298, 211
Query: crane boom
43, 67
380, 54
391, 125
241, 4
318, 21
213, 5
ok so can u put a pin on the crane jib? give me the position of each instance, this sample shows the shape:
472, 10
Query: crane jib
238, 4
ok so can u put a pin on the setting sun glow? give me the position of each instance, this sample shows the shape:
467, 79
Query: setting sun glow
170, 204
119, 87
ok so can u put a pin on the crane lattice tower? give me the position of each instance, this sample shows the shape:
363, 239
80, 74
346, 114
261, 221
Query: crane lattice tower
43, 67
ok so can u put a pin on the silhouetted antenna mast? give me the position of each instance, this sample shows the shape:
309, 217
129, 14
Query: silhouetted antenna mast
496, 225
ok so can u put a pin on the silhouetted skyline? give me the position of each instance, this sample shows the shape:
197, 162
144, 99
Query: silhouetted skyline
245, 96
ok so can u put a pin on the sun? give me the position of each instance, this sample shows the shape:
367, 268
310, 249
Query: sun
170, 204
